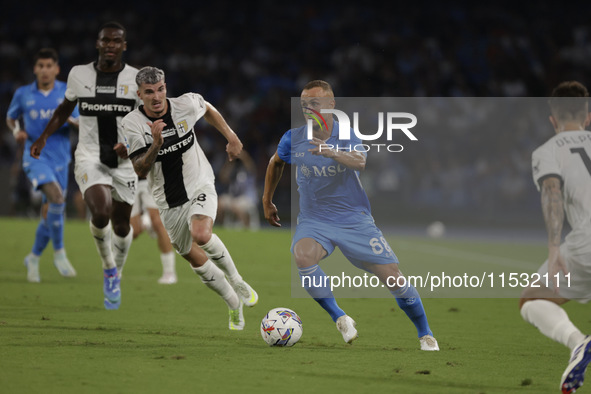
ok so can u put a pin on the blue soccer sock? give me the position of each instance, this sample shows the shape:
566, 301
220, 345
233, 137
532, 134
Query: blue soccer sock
41, 238
55, 222
409, 300
316, 284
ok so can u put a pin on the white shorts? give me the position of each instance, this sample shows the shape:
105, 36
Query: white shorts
579, 266
123, 179
143, 198
177, 220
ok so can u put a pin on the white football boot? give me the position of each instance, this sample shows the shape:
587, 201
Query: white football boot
32, 264
61, 262
346, 325
246, 293
428, 343
168, 278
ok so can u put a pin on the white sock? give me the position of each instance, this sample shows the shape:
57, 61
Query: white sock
217, 252
121, 248
34, 258
552, 321
167, 262
214, 278
102, 240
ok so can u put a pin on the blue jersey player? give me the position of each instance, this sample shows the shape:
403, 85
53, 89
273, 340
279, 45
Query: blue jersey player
35, 104
335, 211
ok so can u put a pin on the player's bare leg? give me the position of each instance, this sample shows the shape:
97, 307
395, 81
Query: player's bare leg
216, 251
308, 253
167, 255
408, 299
541, 307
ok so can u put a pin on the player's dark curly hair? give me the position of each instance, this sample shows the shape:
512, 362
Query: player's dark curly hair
46, 53
114, 25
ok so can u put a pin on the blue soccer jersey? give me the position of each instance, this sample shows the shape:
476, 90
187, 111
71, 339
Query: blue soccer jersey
329, 191
36, 109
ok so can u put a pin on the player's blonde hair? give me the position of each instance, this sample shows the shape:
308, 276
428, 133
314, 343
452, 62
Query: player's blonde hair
318, 83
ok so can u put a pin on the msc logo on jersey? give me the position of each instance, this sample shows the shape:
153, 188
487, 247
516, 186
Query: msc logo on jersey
326, 171
123, 89
183, 127
42, 113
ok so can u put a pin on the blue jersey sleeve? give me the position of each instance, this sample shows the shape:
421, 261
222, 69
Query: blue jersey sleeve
284, 147
15, 109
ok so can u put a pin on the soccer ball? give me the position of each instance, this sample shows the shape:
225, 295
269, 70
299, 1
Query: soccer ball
281, 327
436, 230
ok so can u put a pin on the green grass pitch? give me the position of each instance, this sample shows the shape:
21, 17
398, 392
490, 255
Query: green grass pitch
56, 337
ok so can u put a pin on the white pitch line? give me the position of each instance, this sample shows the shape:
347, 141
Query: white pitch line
469, 256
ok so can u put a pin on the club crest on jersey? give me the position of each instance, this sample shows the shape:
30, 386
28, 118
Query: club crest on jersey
123, 89
305, 171
183, 127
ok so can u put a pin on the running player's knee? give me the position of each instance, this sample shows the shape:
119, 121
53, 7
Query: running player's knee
200, 234
121, 228
55, 198
53, 193
528, 294
305, 258
100, 219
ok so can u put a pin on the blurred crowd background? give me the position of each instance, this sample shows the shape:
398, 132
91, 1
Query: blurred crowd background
249, 59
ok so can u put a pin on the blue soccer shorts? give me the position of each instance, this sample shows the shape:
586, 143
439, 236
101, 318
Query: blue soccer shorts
41, 172
362, 243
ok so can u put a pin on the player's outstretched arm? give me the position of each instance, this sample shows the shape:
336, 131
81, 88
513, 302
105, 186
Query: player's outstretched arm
214, 118
353, 160
142, 163
272, 177
553, 208
59, 117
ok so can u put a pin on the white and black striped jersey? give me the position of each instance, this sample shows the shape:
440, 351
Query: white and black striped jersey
181, 167
103, 100
567, 156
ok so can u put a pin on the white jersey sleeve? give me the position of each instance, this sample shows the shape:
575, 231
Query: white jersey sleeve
567, 156
545, 164
72, 84
199, 104
135, 135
